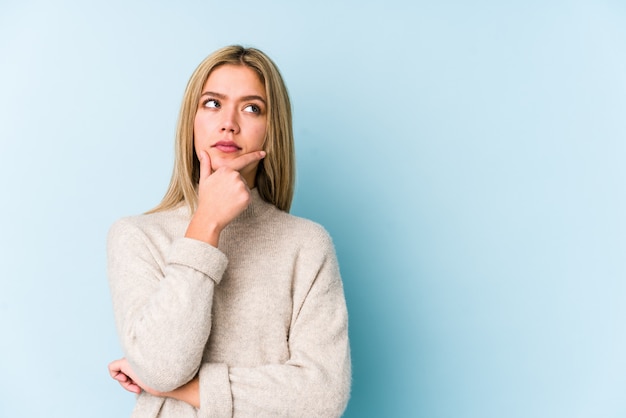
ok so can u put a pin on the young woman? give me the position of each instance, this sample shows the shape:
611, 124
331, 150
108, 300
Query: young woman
225, 304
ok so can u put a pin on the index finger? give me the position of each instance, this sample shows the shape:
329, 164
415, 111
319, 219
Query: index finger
245, 160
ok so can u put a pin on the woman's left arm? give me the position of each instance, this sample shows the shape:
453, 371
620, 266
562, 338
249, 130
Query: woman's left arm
316, 379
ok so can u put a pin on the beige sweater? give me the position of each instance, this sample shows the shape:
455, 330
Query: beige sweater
262, 320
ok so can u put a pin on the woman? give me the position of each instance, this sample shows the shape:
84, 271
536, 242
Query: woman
225, 304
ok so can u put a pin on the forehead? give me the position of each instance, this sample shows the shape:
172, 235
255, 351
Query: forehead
234, 80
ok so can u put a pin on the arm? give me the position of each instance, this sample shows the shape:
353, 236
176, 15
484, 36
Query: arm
315, 381
163, 302
121, 371
162, 306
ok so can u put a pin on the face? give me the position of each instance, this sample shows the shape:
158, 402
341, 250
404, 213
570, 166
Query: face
232, 117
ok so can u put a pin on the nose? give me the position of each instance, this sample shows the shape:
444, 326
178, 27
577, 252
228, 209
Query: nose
229, 121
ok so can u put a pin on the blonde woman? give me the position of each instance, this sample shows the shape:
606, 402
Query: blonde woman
225, 304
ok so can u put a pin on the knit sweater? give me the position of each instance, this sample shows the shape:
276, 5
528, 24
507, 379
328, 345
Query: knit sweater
261, 320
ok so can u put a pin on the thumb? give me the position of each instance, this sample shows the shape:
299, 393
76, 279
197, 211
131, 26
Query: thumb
205, 164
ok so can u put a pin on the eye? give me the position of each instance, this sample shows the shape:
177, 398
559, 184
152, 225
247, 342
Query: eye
211, 103
252, 108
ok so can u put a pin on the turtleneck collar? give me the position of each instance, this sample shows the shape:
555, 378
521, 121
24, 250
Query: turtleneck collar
256, 208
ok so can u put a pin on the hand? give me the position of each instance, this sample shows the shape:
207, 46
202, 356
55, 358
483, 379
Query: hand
222, 195
121, 371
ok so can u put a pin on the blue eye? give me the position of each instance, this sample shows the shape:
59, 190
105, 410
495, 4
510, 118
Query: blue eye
212, 103
252, 108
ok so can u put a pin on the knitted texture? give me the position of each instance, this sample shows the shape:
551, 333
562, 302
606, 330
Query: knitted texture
261, 320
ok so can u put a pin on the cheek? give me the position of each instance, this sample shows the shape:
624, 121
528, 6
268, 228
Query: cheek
260, 135
199, 133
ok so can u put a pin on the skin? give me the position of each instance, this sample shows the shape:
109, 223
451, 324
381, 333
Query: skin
229, 134
232, 109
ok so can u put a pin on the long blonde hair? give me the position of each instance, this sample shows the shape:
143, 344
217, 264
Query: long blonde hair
275, 177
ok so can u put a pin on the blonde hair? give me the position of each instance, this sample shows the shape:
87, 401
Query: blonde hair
275, 175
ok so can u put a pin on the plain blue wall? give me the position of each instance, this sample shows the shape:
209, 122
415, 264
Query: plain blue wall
467, 157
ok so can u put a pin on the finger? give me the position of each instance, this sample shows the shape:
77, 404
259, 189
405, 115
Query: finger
121, 377
205, 164
134, 388
245, 160
131, 386
114, 368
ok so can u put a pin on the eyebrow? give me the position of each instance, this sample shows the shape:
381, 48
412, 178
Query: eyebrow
223, 96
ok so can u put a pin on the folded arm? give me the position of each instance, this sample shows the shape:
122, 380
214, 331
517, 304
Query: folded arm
162, 305
316, 379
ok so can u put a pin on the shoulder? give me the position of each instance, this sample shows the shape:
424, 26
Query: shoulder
158, 226
307, 233
314, 257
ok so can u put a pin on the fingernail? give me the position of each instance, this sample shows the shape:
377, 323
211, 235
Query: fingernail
263, 154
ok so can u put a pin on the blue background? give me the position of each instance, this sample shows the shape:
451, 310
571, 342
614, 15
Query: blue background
467, 157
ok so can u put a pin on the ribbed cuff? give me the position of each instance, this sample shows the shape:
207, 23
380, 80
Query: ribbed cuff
199, 256
216, 399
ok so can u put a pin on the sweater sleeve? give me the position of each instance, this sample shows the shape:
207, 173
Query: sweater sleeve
162, 302
314, 381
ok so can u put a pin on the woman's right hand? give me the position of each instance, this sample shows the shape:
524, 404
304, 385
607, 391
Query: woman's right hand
222, 195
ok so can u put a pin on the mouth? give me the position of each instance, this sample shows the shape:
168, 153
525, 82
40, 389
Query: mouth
226, 146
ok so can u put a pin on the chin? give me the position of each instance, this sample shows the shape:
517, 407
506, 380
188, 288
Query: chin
218, 161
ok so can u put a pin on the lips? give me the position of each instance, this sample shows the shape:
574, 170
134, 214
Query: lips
226, 146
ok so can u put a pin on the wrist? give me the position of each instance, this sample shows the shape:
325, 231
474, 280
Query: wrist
204, 230
189, 393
